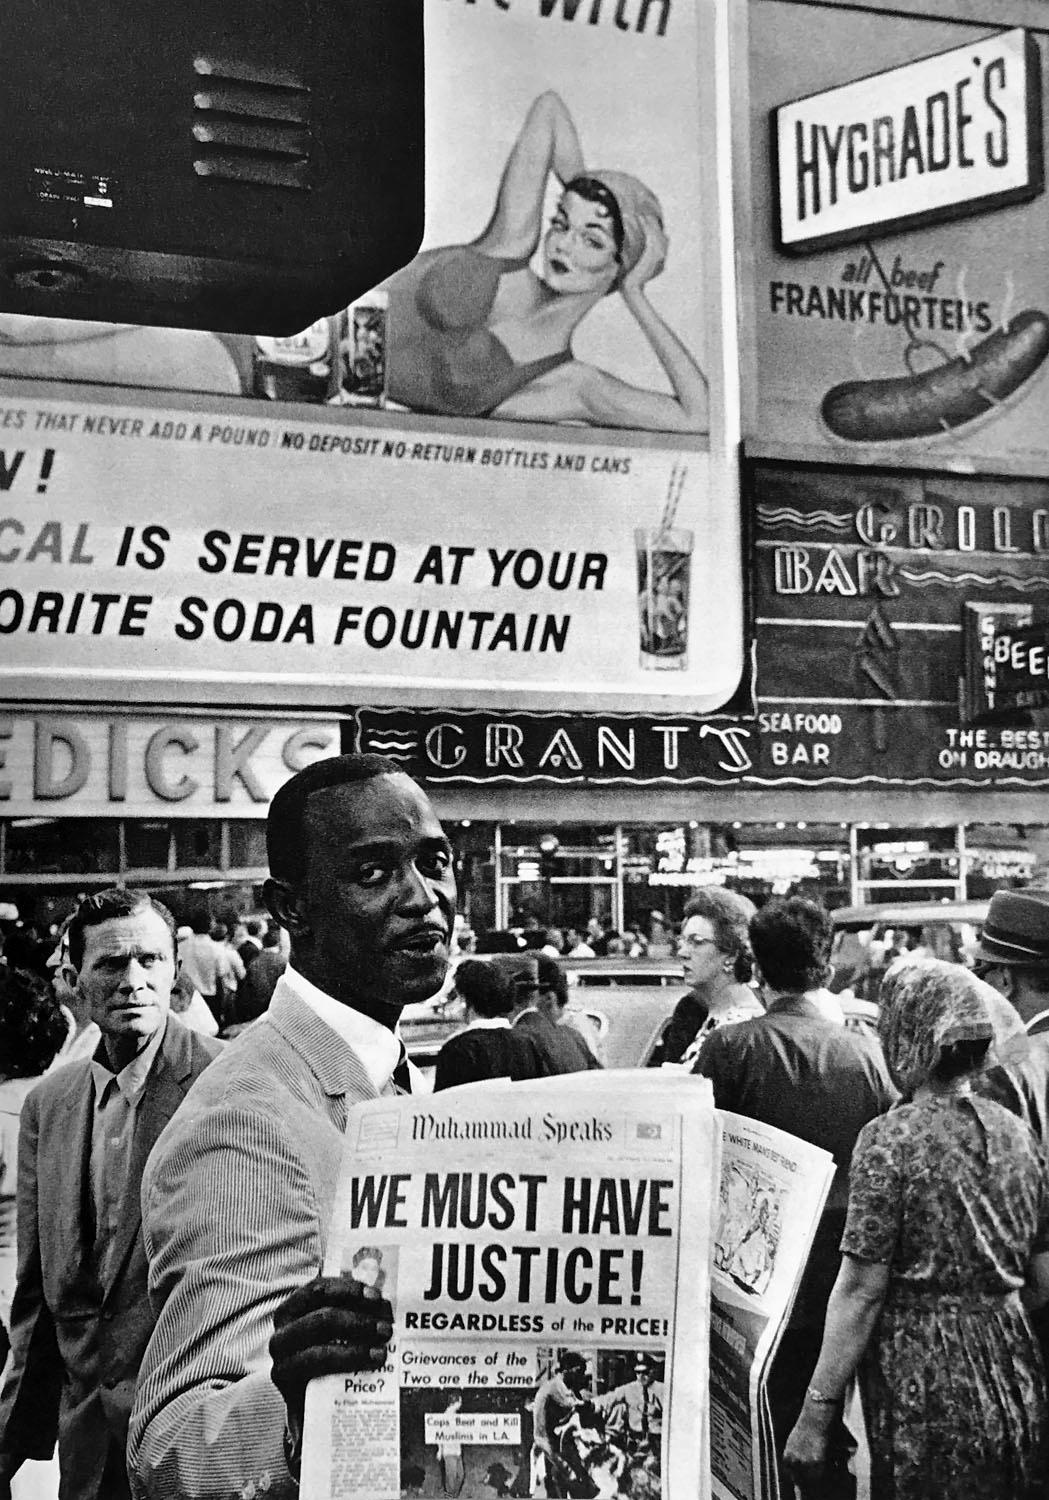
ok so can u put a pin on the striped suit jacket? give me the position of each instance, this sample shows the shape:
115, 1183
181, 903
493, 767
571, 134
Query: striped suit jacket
236, 1202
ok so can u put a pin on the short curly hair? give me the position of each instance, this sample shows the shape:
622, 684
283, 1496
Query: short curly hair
33, 1025
727, 912
791, 938
730, 915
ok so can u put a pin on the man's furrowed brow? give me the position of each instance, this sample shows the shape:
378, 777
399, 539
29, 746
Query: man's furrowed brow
377, 848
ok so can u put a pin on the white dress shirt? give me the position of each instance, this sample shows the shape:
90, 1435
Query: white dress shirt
117, 1097
378, 1049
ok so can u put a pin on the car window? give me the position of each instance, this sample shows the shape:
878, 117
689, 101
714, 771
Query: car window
864, 946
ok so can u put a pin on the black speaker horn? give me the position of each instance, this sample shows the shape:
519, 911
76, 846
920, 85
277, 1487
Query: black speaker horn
240, 165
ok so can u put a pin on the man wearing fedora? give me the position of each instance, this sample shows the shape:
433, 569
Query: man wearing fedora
561, 1049
1013, 956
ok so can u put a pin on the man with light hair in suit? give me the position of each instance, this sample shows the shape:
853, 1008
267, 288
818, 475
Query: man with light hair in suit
80, 1317
238, 1196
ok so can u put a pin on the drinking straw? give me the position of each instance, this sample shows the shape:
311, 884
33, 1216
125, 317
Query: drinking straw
674, 488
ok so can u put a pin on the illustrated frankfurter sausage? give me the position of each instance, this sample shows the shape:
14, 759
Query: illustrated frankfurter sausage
871, 411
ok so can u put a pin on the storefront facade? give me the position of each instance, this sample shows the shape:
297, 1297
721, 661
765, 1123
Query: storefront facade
172, 802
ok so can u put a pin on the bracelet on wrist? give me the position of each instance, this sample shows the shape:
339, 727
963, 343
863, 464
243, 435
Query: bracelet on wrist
820, 1398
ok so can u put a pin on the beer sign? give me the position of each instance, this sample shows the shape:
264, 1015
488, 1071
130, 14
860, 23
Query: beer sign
1023, 669
952, 134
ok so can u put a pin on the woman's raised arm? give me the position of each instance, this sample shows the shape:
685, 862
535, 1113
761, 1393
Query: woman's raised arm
547, 142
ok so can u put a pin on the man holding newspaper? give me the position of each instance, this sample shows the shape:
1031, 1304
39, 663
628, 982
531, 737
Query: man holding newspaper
237, 1199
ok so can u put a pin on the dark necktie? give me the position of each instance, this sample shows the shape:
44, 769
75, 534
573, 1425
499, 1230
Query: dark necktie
401, 1075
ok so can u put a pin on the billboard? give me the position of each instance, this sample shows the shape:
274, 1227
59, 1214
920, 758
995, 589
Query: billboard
506, 476
894, 239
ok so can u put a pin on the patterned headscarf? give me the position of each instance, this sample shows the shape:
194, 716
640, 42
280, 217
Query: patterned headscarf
925, 1004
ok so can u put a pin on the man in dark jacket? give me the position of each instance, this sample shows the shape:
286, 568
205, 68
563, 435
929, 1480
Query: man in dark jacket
256, 992
562, 1049
1013, 956
800, 1072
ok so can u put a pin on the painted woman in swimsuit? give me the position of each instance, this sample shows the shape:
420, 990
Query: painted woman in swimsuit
474, 331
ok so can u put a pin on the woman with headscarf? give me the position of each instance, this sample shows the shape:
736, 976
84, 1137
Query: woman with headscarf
946, 1247
475, 331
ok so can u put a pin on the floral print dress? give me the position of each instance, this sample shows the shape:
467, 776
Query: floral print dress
952, 1194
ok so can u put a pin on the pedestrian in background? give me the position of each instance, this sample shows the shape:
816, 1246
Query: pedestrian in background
261, 979
202, 962
561, 1048
1013, 956
488, 1047
32, 1030
795, 1069
232, 971
554, 1004
715, 948
83, 1035
248, 940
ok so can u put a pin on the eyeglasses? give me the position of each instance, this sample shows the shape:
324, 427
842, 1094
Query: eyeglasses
696, 942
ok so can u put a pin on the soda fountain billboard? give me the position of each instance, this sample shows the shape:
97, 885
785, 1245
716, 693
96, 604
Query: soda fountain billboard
508, 476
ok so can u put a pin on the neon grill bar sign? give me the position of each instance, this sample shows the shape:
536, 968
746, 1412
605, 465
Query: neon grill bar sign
952, 134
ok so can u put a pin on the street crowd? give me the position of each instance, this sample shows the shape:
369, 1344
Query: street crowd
172, 1110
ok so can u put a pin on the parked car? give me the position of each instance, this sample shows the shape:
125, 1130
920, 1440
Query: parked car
627, 1002
868, 938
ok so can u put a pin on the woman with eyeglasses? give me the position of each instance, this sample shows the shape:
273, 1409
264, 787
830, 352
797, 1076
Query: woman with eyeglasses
715, 950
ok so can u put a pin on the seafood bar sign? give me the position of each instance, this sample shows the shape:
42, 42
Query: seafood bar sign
898, 238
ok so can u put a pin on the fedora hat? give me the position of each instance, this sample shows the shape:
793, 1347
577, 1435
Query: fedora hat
1016, 931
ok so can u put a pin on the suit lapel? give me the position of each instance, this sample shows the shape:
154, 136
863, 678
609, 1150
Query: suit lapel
164, 1092
337, 1068
64, 1197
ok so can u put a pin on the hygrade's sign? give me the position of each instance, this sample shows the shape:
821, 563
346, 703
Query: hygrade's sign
951, 134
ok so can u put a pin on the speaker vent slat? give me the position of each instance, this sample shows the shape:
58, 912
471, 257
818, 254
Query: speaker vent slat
231, 97
267, 73
263, 171
252, 135
251, 124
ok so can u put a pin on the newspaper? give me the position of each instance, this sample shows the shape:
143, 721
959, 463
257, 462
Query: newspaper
546, 1250
773, 1188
